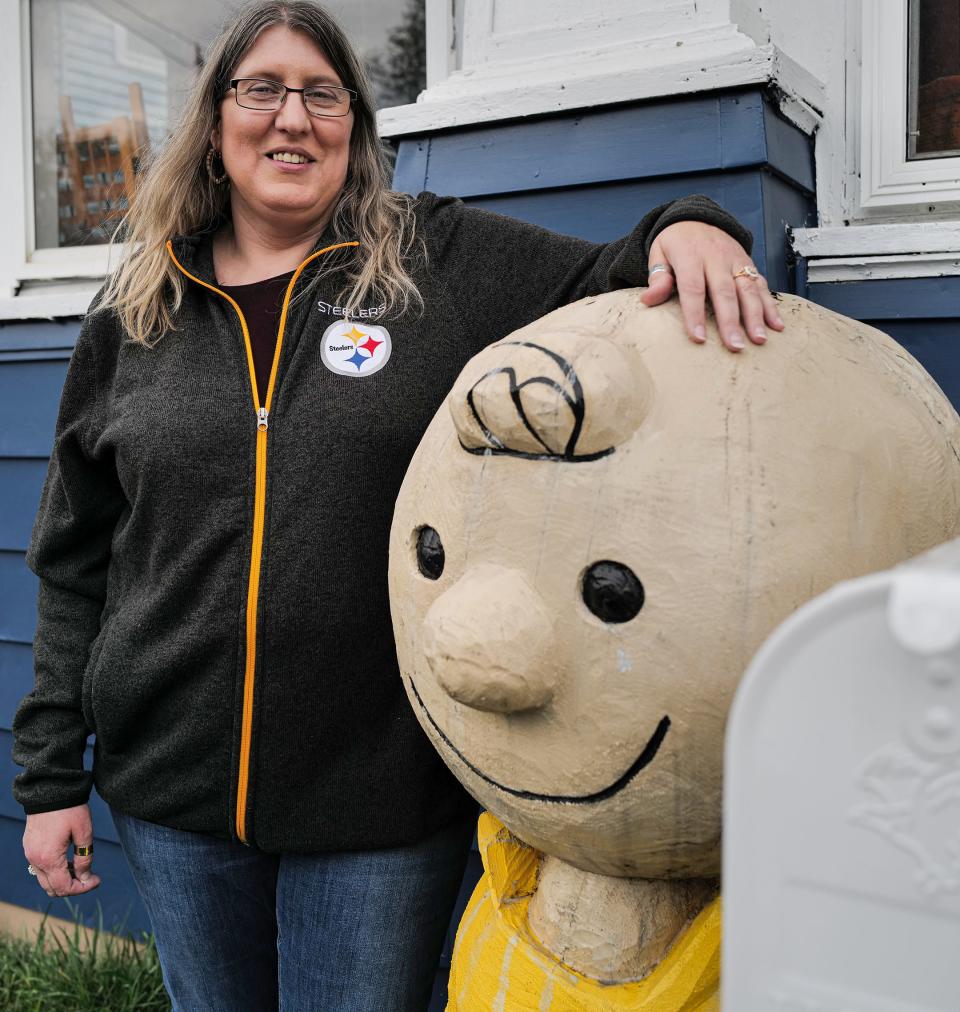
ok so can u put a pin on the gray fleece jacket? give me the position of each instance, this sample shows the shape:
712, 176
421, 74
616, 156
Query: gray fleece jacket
213, 559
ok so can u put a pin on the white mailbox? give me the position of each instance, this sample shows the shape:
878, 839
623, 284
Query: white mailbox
841, 875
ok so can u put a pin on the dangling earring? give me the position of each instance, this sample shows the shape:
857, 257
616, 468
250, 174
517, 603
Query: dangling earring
210, 172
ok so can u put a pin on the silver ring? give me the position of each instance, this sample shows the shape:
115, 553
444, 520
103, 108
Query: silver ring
657, 268
31, 870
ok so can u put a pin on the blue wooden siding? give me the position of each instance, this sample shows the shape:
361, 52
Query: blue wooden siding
33, 363
923, 314
595, 174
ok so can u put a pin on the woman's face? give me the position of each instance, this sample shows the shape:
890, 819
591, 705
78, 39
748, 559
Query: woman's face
267, 190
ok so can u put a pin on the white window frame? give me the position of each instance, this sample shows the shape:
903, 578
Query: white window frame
20, 262
888, 181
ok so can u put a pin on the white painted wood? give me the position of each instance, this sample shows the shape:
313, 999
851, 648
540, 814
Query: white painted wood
837, 142
827, 40
439, 41
14, 128
873, 240
840, 802
887, 179
801, 96
504, 30
880, 252
19, 261
49, 301
884, 268
723, 60
72, 262
546, 56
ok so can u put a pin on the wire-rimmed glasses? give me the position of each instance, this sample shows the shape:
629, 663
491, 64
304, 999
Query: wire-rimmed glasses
268, 96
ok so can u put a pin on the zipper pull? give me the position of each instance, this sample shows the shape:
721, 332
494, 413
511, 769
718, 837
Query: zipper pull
262, 418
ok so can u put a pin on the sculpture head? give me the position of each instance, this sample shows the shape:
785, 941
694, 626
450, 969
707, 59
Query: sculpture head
603, 523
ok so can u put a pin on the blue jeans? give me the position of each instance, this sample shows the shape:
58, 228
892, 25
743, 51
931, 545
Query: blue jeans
239, 930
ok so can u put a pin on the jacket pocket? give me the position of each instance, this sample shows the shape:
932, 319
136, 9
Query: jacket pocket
90, 675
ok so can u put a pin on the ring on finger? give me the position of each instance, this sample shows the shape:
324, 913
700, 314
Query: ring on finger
657, 268
31, 870
747, 271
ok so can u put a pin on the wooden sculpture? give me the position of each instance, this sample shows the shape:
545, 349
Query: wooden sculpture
600, 527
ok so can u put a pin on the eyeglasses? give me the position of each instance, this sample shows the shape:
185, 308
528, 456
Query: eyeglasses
268, 96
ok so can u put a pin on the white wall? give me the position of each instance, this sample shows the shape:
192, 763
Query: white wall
808, 31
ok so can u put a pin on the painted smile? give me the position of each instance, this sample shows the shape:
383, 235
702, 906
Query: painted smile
644, 759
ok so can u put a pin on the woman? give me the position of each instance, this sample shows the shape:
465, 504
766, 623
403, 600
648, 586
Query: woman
212, 536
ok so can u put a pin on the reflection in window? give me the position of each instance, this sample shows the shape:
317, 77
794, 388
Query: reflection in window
106, 86
934, 76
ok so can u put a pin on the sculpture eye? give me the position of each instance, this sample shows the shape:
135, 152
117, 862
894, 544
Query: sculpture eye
612, 591
430, 556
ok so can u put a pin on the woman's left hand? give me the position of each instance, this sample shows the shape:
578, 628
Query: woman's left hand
704, 260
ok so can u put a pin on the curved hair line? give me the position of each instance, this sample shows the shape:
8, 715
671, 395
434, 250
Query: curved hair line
576, 403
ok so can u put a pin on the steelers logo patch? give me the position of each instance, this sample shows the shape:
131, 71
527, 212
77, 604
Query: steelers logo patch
355, 349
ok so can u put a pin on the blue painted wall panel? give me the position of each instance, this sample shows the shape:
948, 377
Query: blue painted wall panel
22, 482
705, 133
923, 314
39, 336
603, 213
19, 591
896, 299
16, 680
784, 206
936, 346
29, 398
762, 202
790, 152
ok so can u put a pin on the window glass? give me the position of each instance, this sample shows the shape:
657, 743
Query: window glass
933, 129
109, 77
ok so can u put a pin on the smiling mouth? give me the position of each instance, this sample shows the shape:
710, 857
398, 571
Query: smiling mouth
289, 158
644, 759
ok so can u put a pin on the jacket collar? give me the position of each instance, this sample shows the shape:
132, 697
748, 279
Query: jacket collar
195, 252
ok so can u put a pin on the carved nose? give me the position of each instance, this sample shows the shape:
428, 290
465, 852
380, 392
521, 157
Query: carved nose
488, 641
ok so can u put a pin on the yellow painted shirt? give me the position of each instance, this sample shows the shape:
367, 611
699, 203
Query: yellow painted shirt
500, 966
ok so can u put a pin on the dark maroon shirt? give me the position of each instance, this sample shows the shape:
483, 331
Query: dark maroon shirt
261, 304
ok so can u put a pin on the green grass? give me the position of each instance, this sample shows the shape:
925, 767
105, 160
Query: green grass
58, 972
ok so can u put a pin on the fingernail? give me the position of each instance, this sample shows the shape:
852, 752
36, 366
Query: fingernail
85, 877
699, 333
779, 320
760, 334
735, 339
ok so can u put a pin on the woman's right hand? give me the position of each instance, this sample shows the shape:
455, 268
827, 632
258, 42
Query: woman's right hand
45, 843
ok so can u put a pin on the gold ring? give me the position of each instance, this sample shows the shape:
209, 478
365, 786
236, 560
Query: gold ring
747, 271
83, 851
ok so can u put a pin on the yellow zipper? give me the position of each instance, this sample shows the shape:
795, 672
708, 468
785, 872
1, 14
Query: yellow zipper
259, 511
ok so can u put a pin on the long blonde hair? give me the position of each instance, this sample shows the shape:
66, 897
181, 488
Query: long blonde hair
176, 195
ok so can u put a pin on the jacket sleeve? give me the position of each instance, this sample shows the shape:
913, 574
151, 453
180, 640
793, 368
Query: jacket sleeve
69, 551
503, 273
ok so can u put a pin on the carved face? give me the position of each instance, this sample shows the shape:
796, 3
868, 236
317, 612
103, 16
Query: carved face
600, 527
